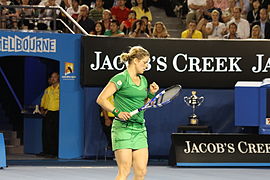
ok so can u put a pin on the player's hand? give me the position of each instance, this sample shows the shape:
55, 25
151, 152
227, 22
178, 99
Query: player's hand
124, 116
153, 88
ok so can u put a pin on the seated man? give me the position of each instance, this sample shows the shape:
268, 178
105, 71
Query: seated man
48, 14
114, 31
243, 28
191, 32
264, 24
120, 12
87, 24
96, 13
232, 32
196, 8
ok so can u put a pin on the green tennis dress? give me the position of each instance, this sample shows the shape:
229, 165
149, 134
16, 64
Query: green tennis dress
130, 134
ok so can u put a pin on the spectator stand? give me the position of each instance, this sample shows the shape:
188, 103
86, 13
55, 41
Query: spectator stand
56, 21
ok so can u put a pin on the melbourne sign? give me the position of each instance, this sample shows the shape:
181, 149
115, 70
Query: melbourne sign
27, 44
191, 63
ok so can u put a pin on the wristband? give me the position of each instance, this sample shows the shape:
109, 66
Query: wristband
150, 95
116, 112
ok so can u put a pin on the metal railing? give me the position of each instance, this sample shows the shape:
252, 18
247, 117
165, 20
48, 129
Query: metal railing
35, 16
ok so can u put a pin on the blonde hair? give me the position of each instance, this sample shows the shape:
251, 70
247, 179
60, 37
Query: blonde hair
259, 29
164, 32
134, 52
256, 26
85, 6
108, 11
215, 11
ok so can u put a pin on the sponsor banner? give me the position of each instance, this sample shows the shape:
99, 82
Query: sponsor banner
221, 148
191, 63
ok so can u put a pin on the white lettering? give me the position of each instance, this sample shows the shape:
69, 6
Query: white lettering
220, 148
201, 146
221, 64
208, 63
92, 66
116, 63
187, 150
260, 148
27, 44
259, 67
107, 63
161, 61
242, 143
233, 64
175, 62
194, 62
231, 148
211, 148
267, 66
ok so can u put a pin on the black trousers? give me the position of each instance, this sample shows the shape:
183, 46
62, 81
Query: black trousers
50, 133
107, 131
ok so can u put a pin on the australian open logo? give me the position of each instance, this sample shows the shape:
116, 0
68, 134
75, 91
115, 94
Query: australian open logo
69, 73
27, 44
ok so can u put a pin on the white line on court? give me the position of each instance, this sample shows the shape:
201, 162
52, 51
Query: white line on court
80, 167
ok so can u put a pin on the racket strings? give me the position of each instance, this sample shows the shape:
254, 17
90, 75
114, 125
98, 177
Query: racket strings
170, 94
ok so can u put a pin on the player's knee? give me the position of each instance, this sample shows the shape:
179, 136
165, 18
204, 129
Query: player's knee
140, 172
124, 170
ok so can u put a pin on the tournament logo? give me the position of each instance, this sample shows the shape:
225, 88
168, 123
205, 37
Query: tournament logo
69, 73
69, 68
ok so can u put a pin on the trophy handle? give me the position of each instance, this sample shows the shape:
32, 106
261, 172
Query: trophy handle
200, 100
186, 99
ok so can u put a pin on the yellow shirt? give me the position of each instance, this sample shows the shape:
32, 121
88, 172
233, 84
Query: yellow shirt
50, 99
43, 101
111, 99
196, 35
140, 13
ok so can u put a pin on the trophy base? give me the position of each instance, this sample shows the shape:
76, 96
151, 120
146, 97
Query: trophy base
193, 120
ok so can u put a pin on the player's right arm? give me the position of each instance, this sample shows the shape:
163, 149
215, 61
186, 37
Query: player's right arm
103, 101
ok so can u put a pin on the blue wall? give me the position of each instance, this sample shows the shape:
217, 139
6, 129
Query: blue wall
216, 111
34, 80
36, 73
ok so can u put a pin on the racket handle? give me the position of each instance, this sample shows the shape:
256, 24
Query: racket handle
134, 112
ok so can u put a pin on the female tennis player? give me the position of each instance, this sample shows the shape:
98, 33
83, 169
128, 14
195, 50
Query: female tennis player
130, 90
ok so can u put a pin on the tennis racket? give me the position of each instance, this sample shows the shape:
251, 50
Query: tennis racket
161, 99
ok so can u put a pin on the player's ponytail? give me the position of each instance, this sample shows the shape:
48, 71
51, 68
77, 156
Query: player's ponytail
124, 57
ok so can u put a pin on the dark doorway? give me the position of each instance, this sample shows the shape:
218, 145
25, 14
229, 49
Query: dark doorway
22, 81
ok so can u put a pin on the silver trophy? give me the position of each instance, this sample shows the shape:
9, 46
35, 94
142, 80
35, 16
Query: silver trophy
193, 101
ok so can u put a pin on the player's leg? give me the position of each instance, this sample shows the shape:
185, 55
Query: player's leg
139, 163
124, 162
